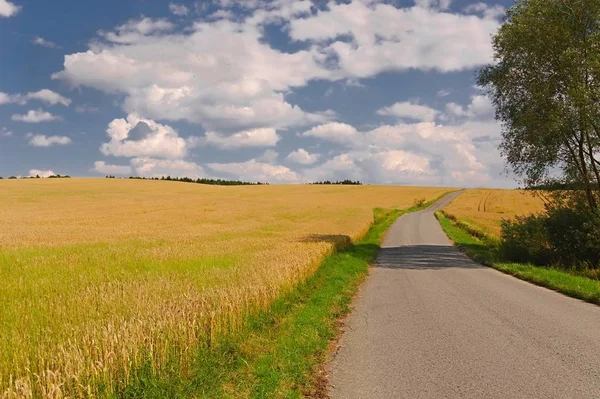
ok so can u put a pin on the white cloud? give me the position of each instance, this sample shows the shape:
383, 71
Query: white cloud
4, 98
136, 29
269, 156
35, 116
302, 157
40, 140
224, 75
4, 132
8, 9
46, 96
179, 9
221, 75
40, 41
334, 132
256, 171
480, 108
141, 137
152, 167
41, 173
264, 137
427, 40
488, 11
107, 169
443, 93
409, 110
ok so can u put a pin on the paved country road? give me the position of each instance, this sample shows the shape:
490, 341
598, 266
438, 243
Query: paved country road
430, 323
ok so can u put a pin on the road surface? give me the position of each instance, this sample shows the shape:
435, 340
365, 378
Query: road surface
430, 323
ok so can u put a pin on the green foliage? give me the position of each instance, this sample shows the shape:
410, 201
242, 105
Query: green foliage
567, 282
525, 239
567, 235
217, 182
341, 182
545, 85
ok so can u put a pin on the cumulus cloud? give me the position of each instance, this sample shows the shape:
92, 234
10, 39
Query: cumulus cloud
480, 108
302, 157
334, 132
141, 137
152, 167
488, 11
35, 116
108, 169
224, 75
256, 171
409, 110
40, 140
462, 151
8, 9
41, 173
179, 9
428, 39
46, 96
269, 156
263, 137
40, 41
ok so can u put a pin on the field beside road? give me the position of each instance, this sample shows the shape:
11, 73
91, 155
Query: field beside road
484, 209
102, 276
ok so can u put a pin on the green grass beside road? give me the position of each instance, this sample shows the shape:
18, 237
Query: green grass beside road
279, 353
483, 250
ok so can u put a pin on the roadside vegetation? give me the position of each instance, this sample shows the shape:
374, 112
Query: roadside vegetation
279, 352
103, 277
576, 282
545, 86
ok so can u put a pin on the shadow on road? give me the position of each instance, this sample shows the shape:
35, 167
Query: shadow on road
424, 257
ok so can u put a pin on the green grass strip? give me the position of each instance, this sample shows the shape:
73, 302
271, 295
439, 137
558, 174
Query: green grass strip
279, 353
485, 252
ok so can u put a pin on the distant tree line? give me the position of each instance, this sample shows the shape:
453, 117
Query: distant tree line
38, 177
344, 182
215, 182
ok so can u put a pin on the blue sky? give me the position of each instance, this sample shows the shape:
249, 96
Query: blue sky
283, 91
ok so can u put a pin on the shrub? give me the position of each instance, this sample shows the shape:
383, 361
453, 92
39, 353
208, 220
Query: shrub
567, 235
525, 239
574, 234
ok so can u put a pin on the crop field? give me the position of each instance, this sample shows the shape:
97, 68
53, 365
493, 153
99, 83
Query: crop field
101, 275
485, 208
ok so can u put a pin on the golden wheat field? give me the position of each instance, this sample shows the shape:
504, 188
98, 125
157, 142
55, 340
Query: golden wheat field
485, 208
99, 274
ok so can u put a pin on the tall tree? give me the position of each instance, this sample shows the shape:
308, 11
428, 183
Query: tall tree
545, 84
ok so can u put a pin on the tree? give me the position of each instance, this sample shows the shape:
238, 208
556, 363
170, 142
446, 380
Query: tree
545, 85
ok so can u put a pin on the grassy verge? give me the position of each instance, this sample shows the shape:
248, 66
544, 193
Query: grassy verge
278, 352
483, 250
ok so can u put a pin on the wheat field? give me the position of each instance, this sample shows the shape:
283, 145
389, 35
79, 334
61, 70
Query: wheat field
99, 275
485, 208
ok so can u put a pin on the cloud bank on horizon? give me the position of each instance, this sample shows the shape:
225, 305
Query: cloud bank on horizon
284, 91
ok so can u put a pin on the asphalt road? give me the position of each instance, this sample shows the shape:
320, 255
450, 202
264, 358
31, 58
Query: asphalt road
430, 323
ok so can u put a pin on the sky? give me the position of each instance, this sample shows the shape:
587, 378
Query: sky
281, 91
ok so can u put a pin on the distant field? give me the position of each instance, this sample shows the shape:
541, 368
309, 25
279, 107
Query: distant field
485, 208
99, 275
